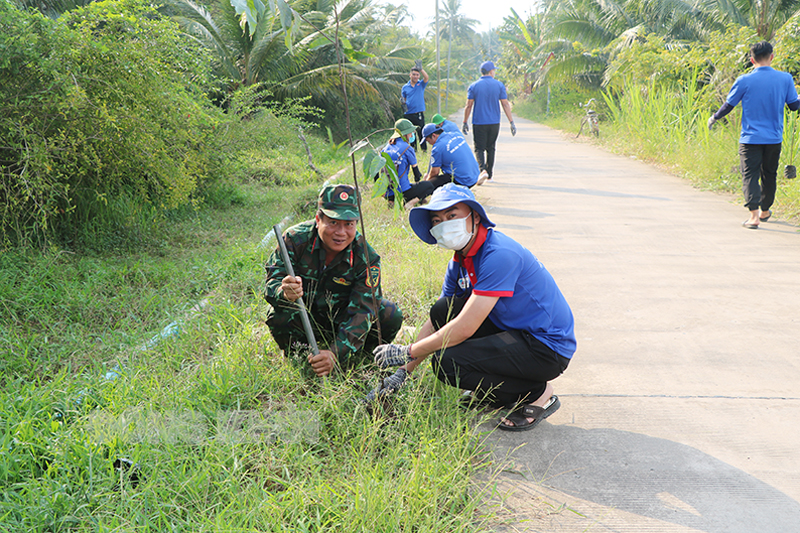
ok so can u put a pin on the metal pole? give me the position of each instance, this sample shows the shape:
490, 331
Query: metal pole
438, 65
303, 313
449, 47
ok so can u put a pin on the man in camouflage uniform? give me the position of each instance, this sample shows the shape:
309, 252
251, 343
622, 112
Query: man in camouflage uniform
331, 275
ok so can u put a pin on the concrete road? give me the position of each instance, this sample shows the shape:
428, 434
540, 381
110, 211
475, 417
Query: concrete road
681, 407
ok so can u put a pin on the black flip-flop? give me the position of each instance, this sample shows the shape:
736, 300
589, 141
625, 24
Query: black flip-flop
521, 415
749, 226
764, 219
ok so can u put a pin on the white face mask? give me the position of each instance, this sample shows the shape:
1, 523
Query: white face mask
452, 234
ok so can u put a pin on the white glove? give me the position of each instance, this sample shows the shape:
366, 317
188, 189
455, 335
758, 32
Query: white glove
711, 121
513, 129
388, 355
465, 129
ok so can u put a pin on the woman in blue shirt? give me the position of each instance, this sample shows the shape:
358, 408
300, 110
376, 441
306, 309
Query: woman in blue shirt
405, 160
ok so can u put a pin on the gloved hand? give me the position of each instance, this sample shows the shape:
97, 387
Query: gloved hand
388, 355
418, 64
388, 386
711, 121
464, 128
513, 128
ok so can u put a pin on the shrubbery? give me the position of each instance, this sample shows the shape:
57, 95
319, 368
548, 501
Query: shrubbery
103, 117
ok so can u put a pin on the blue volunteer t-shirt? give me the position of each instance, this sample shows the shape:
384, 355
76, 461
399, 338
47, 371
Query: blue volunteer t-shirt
450, 127
404, 158
486, 93
453, 155
529, 298
415, 96
763, 94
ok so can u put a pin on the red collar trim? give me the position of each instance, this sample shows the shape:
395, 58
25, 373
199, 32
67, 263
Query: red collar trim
482, 233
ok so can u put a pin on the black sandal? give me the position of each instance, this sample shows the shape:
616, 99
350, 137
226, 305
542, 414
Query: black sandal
519, 417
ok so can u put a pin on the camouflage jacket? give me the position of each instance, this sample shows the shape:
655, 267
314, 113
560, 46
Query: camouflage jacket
327, 291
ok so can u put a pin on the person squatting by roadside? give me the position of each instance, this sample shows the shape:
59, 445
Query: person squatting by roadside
501, 327
486, 95
451, 158
446, 125
412, 96
405, 161
327, 254
763, 93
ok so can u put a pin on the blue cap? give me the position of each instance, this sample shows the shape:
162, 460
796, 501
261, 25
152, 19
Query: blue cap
487, 66
430, 129
444, 197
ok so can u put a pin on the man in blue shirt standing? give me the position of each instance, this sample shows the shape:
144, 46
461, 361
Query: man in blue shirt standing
451, 158
486, 95
763, 93
413, 99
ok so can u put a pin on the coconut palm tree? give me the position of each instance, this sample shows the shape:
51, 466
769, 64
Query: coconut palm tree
764, 16
306, 62
585, 34
460, 25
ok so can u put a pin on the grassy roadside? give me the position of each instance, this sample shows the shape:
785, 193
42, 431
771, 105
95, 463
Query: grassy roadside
667, 131
110, 426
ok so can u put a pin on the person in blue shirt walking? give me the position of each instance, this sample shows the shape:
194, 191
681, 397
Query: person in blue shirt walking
451, 158
501, 328
486, 95
413, 100
763, 93
405, 161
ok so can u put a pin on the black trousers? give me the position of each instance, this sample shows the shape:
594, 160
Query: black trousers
443, 179
484, 139
507, 367
440, 180
759, 161
421, 189
418, 119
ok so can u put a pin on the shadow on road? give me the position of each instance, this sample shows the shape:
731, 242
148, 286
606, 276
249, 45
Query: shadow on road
646, 476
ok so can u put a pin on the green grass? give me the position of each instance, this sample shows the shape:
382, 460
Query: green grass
224, 433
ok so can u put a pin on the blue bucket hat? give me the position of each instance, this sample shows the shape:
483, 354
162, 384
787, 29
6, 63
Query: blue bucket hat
430, 129
444, 197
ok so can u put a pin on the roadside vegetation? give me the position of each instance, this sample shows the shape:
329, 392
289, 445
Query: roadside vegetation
140, 180
146, 154
141, 390
656, 74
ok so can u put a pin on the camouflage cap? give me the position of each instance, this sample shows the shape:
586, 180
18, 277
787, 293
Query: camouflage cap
338, 201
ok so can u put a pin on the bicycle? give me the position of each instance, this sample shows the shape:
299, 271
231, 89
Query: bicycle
591, 117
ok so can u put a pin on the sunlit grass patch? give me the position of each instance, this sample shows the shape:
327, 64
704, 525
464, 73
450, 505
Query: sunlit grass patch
143, 392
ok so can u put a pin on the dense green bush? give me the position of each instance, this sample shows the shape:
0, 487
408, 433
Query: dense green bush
707, 69
103, 120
